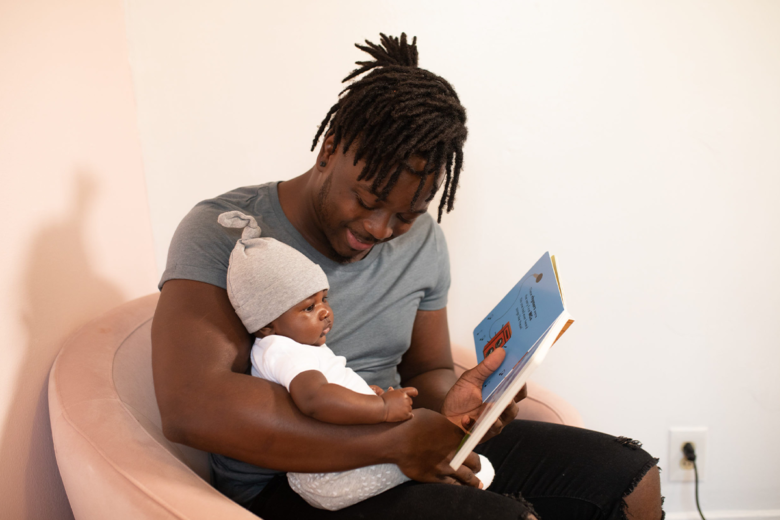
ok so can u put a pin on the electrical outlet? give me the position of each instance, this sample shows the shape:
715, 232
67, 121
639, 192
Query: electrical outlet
681, 469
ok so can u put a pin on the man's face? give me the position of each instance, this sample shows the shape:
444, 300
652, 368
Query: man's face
354, 219
307, 323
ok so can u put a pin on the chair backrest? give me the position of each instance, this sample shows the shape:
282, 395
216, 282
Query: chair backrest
114, 460
132, 374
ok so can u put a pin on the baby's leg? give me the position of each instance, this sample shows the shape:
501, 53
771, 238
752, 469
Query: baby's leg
334, 491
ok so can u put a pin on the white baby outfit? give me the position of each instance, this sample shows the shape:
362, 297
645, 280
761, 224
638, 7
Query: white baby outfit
280, 359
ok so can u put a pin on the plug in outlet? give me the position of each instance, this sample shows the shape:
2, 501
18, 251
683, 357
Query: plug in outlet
681, 469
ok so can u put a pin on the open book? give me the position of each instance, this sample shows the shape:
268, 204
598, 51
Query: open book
525, 323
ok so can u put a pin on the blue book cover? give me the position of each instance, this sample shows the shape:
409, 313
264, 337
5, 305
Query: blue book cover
519, 320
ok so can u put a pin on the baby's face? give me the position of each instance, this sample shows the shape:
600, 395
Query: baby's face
308, 322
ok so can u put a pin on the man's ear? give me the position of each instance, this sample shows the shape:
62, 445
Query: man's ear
268, 330
327, 151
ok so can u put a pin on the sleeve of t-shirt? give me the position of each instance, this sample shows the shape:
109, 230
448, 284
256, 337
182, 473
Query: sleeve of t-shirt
284, 359
200, 248
435, 296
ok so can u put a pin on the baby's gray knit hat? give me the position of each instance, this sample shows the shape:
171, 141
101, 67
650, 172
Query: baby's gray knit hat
265, 277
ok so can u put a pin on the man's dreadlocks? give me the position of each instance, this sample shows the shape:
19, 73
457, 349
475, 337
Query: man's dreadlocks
395, 111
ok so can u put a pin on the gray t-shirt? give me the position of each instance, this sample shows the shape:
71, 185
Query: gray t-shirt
374, 300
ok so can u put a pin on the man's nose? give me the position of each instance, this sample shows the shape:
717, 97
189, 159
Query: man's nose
378, 225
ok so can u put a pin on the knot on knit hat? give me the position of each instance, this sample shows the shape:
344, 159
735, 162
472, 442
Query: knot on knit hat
236, 219
265, 277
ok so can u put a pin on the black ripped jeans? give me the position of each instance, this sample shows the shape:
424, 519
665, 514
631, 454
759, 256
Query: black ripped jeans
553, 471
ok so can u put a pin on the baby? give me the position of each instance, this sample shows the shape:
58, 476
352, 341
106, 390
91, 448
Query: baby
282, 297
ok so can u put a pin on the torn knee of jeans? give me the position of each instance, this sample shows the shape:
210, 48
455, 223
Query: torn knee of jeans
635, 482
628, 442
529, 507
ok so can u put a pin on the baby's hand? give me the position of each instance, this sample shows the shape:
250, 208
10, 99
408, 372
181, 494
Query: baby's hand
377, 389
398, 403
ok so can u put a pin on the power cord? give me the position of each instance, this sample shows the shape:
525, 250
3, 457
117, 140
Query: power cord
690, 454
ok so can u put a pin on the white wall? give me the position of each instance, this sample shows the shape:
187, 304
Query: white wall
638, 141
76, 233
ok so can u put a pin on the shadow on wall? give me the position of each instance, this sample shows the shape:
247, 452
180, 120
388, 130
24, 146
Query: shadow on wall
60, 293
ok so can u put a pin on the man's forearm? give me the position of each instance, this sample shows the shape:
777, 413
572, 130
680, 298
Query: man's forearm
258, 423
432, 387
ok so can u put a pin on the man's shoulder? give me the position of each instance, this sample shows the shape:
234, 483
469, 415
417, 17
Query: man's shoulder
245, 198
251, 200
200, 248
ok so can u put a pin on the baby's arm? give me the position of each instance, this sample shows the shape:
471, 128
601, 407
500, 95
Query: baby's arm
335, 404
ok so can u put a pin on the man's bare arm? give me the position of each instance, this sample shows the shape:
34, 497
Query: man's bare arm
427, 365
200, 351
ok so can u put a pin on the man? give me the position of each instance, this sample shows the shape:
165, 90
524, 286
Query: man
393, 140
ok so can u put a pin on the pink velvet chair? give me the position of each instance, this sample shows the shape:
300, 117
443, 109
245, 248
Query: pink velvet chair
113, 458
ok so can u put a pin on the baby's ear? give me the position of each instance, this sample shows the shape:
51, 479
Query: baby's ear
268, 330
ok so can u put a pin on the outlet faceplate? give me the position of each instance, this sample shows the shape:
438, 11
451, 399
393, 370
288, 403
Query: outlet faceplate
680, 469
